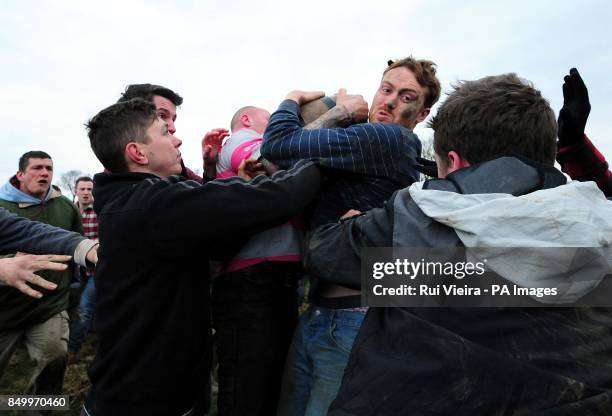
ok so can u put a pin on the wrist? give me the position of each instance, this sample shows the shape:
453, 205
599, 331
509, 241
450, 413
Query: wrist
294, 98
210, 172
343, 114
567, 140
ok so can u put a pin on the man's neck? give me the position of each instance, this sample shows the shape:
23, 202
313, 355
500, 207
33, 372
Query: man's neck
246, 128
83, 207
37, 196
142, 169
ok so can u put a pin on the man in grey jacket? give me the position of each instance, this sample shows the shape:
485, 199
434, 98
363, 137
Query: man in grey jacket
495, 146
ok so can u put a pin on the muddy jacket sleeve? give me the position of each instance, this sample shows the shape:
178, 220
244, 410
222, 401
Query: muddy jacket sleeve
334, 250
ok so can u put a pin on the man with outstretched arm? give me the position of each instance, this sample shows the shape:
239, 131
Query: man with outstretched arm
157, 232
41, 323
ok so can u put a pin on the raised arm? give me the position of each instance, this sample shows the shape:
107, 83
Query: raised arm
583, 162
577, 156
348, 110
369, 149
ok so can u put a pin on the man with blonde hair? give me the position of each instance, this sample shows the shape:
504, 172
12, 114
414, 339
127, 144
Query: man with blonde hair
364, 164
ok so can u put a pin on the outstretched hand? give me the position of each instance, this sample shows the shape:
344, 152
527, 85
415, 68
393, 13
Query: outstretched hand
18, 271
575, 111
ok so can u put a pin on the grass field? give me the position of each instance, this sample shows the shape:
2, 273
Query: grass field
76, 383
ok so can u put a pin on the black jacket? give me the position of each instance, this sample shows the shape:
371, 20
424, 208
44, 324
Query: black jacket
478, 361
152, 280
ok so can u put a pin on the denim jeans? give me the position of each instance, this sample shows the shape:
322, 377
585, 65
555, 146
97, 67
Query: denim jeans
254, 316
82, 325
316, 360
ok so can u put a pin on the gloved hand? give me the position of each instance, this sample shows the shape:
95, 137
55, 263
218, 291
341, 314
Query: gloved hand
426, 167
576, 107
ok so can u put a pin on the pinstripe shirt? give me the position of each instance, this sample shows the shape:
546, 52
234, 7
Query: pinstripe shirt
364, 163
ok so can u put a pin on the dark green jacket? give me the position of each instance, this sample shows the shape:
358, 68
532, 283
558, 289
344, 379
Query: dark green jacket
18, 310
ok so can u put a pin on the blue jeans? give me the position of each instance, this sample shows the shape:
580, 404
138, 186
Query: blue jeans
317, 357
82, 325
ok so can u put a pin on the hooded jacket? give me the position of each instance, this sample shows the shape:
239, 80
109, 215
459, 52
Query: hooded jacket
152, 281
16, 309
443, 361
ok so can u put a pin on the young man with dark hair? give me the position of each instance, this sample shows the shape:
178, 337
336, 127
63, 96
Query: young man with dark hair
24, 160
166, 101
463, 123
43, 322
576, 154
495, 142
158, 231
365, 163
83, 189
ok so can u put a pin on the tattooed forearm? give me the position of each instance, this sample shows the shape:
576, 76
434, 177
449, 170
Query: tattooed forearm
337, 116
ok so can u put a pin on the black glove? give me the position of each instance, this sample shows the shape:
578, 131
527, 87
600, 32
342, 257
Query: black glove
576, 107
426, 167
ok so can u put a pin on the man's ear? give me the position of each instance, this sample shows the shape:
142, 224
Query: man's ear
135, 154
422, 115
245, 120
20, 175
456, 162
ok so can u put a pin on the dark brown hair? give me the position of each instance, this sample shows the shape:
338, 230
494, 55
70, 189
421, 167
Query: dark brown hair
147, 91
495, 116
114, 127
24, 160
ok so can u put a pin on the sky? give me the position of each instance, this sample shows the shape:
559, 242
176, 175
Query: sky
63, 61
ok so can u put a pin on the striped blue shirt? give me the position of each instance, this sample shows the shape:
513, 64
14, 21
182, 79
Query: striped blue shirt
364, 163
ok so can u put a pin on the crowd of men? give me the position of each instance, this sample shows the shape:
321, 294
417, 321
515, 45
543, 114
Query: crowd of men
295, 195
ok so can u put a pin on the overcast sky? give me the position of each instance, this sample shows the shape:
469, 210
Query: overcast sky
63, 61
